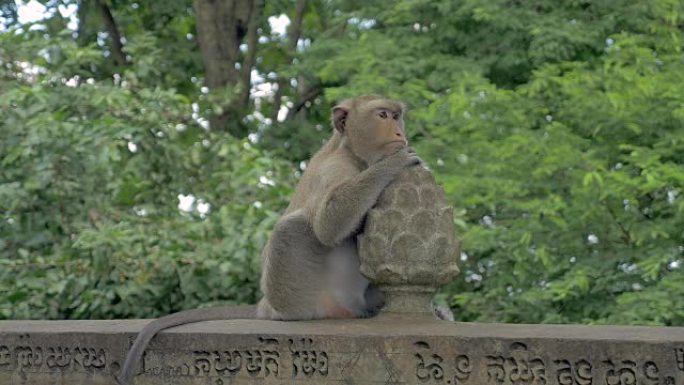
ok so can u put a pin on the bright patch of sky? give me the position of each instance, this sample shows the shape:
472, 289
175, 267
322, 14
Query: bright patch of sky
279, 24
33, 11
185, 202
264, 85
362, 23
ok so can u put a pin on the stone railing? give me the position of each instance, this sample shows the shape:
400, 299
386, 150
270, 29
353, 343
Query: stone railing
388, 349
407, 248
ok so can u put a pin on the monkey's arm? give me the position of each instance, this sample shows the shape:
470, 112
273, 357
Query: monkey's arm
346, 203
181, 318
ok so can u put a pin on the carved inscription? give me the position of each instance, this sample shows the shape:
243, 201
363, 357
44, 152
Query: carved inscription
519, 367
4, 356
228, 363
627, 372
462, 369
515, 364
574, 373
26, 358
623, 374
428, 366
261, 362
516, 368
431, 366
651, 372
307, 362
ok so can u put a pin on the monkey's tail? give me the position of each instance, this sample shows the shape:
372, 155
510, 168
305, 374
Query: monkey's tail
176, 319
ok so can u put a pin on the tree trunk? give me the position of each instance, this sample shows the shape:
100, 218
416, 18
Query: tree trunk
221, 26
114, 34
250, 56
294, 33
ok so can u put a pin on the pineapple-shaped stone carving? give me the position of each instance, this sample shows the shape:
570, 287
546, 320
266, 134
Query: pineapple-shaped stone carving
408, 246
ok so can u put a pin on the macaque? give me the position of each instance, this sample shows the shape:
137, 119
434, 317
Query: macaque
310, 264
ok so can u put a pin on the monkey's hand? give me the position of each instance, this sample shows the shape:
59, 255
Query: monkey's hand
421, 161
342, 209
392, 165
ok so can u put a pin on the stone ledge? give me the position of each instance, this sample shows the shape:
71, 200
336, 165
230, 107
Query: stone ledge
385, 350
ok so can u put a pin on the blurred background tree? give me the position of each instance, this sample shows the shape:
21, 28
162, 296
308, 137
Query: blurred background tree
146, 150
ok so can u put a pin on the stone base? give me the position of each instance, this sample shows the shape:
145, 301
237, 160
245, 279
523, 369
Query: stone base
408, 299
389, 349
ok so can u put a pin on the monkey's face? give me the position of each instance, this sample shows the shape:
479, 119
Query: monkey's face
379, 130
389, 127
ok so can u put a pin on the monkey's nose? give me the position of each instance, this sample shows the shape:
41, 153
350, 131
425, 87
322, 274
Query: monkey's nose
400, 135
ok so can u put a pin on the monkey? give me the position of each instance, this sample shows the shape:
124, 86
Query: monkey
310, 263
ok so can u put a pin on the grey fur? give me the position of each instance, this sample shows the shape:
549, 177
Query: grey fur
310, 266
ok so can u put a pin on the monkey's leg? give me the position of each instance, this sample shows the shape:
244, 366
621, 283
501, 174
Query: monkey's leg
333, 309
346, 281
294, 271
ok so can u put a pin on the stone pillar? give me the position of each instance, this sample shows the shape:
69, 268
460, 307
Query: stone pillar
408, 247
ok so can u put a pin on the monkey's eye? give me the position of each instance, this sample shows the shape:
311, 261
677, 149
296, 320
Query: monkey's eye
395, 116
383, 114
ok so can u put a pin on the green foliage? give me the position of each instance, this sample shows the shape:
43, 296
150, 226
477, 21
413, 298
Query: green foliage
91, 173
557, 133
556, 129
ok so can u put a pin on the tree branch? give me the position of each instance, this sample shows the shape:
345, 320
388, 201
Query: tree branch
115, 36
308, 96
626, 237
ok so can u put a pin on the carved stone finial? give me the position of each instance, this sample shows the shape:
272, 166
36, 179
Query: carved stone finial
408, 247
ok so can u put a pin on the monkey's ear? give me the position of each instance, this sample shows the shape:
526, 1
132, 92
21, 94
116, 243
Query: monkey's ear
339, 117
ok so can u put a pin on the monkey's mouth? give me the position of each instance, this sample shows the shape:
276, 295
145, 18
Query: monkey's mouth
402, 142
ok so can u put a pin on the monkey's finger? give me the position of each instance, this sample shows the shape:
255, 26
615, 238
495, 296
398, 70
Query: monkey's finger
413, 160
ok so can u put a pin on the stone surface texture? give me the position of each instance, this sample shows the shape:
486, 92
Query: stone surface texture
408, 249
408, 246
389, 349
